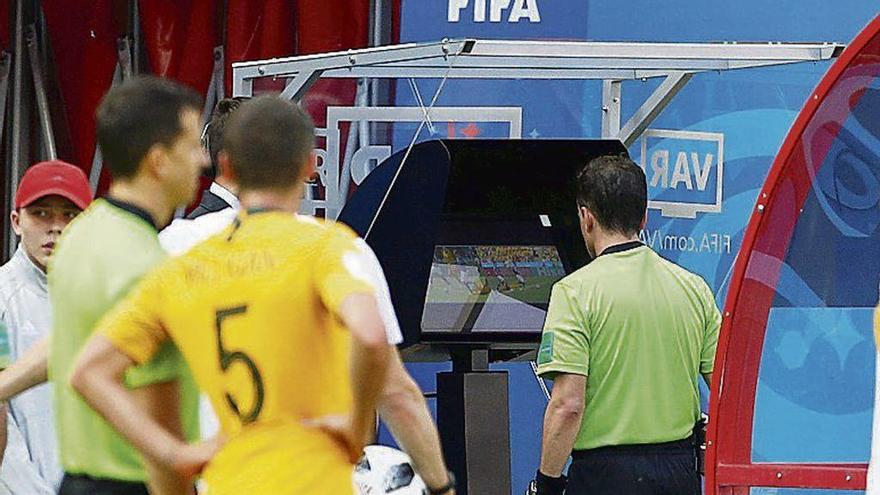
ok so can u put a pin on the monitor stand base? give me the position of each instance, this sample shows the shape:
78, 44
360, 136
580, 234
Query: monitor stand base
473, 417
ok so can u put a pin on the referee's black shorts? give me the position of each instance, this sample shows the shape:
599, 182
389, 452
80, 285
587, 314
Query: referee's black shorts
77, 484
656, 469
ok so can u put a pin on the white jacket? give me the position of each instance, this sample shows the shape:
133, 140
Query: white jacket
25, 311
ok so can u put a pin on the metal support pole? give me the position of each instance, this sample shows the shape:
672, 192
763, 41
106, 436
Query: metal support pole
378, 28
216, 88
381, 34
5, 66
466, 359
19, 154
123, 71
123, 54
368, 86
43, 40
652, 107
97, 167
296, 88
362, 99
43, 115
610, 108
364, 91
134, 22
351, 145
245, 87
357, 138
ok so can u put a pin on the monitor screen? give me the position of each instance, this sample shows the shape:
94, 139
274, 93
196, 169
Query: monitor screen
490, 288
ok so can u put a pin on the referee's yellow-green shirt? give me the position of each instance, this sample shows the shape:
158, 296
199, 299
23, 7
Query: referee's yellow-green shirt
100, 257
642, 330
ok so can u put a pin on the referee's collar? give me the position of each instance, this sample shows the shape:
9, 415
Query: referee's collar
619, 248
134, 210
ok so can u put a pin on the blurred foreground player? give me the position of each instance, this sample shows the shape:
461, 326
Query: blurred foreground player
216, 211
402, 405
148, 130
277, 318
625, 340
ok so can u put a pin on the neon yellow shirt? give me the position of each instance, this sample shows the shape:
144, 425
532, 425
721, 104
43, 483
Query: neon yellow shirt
642, 330
100, 256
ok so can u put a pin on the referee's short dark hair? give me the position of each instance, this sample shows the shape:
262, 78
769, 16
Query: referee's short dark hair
615, 191
141, 112
269, 141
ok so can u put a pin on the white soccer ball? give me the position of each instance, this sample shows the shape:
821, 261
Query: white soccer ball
386, 471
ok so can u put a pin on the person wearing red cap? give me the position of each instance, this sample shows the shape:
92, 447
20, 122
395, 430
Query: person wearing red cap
148, 132
49, 196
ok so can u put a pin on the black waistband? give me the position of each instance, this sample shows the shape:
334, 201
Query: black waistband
678, 446
82, 483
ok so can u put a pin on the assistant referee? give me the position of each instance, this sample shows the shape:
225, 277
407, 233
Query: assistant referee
625, 340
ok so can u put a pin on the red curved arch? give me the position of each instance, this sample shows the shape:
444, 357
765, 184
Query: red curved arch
730, 470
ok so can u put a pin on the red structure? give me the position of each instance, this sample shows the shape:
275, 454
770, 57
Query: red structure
79, 47
179, 39
768, 240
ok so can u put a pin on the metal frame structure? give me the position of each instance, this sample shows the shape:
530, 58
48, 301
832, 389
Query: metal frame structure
612, 63
337, 177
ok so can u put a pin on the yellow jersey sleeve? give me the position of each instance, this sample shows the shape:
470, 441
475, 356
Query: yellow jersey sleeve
134, 326
343, 268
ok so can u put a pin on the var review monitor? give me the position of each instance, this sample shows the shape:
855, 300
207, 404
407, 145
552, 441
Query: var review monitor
486, 288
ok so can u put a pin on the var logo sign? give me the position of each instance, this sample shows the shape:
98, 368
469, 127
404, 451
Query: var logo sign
685, 171
508, 10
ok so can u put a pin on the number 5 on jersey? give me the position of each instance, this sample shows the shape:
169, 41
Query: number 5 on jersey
229, 357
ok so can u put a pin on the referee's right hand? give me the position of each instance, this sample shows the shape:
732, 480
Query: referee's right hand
546, 485
532, 489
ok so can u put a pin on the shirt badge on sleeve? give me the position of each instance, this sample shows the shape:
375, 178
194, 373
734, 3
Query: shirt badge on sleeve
545, 352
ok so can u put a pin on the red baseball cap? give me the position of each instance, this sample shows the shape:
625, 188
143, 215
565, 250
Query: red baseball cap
54, 178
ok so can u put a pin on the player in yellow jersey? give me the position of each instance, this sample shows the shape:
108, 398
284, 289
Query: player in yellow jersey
277, 319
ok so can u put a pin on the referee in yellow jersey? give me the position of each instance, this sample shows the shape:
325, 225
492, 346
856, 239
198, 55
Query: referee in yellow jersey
276, 317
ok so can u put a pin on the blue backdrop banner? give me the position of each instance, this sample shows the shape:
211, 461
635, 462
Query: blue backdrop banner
706, 156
